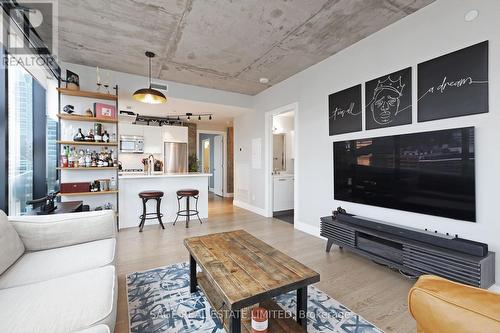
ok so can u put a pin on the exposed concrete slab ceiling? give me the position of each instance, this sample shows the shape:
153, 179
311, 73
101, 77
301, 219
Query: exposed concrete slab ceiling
221, 44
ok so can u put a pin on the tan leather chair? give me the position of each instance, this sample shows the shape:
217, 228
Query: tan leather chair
442, 306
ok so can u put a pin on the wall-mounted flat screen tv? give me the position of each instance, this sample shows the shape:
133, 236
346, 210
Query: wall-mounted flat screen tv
430, 173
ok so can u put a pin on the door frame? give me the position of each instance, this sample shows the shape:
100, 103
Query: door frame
268, 167
224, 155
215, 191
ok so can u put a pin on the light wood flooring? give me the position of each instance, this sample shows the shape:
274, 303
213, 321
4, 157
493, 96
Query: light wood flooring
373, 291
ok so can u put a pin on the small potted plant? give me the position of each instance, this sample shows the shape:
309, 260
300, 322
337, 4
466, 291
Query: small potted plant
193, 163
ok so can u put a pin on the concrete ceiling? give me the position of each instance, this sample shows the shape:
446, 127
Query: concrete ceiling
221, 44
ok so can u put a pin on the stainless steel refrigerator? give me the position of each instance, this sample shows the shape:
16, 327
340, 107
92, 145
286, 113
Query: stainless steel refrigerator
176, 157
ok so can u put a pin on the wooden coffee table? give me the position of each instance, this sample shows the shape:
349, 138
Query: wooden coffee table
239, 271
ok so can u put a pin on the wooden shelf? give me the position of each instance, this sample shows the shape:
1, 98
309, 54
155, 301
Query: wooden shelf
86, 143
87, 94
281, 322
90, 168
77, 117
86, 193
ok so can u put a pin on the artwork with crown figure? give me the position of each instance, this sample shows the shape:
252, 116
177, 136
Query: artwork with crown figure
388, 100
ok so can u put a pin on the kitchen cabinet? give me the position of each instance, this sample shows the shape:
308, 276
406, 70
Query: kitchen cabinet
131, 129
153, 140
175, 134
283, 187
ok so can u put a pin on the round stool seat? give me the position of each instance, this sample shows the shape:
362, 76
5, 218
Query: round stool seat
187, 193
150, 194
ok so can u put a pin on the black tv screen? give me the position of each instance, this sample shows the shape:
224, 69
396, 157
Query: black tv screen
430, 173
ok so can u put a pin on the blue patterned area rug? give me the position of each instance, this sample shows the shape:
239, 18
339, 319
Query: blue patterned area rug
159, 301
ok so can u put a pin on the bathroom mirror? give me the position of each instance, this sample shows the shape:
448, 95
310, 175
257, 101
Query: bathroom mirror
279, 150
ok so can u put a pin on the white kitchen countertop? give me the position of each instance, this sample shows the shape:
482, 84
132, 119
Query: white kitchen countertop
141, 175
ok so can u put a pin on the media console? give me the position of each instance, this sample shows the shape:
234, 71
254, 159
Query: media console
410, 250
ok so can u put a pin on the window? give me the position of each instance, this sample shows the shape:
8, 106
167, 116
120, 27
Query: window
20, 156
32, 134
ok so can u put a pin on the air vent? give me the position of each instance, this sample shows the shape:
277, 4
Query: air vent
159, 86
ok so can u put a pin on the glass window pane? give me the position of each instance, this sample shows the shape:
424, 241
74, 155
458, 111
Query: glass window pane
20, 140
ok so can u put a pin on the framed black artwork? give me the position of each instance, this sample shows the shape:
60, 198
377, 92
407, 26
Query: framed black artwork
454, 85
344, 111
389, 100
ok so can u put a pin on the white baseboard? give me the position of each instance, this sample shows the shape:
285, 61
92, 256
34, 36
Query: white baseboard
211, 189
228, 195
308, 229
249, 207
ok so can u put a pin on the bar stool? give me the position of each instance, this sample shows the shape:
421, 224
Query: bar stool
187, 193
150, 195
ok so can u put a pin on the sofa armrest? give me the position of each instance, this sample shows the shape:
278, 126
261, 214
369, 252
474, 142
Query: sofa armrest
59, 230
440, 305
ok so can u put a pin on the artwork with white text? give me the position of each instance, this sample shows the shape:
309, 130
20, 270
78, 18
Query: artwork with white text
454, 85
344, 110
388, 100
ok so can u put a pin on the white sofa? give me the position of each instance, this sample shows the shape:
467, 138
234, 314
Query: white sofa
57, 273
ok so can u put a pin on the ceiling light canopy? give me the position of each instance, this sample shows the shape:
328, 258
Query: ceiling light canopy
150, 95
471, 15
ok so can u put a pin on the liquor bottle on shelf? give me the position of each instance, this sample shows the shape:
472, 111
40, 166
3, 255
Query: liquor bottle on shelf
94, 159
79, 136
98, 132
88, 159
105, 136
81, 159
76, 162
64, 158
71, 159
90, 136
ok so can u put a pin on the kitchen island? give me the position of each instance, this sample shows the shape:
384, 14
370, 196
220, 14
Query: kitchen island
133, 183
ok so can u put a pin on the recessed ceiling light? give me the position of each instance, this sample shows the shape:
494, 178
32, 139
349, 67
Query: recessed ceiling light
471, 15
264, 80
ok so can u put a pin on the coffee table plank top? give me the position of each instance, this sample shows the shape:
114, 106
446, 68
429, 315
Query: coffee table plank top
245, 270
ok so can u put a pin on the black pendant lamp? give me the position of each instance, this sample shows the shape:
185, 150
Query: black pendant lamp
150, 95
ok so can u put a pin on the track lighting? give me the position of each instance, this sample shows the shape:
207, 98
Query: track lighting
210, 117
199, 117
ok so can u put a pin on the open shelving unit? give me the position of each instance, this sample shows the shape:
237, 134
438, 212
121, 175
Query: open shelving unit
89, 94
87, 143
67, 118
90, 168
86, 193
86, 118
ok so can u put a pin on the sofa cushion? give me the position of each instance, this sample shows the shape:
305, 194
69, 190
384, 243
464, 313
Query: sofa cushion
67, 304
11, 246
49, 264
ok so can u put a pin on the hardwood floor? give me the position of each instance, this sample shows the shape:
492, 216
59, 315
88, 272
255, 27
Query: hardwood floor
371, 290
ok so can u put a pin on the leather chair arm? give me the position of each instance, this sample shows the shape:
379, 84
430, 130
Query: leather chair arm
442, 306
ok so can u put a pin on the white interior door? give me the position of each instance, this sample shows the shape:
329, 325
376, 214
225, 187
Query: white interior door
218, 165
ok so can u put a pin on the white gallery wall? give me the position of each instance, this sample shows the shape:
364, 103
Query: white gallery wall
435, 30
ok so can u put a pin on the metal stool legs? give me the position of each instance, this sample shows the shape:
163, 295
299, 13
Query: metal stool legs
187, 212
145, 217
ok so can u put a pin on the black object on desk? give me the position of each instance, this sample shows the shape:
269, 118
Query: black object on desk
61, 208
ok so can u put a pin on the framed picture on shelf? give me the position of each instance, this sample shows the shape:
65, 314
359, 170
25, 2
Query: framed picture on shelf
104, 111
72, 80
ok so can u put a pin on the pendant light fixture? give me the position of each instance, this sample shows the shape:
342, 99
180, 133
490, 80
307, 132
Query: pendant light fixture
150, 95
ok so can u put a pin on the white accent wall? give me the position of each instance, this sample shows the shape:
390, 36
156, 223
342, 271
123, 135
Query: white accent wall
435, 30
